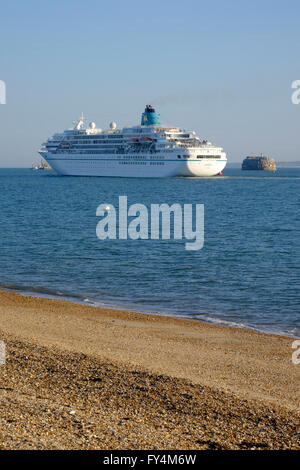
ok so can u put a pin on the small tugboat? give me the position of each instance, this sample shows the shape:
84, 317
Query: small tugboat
259, 163
41, 166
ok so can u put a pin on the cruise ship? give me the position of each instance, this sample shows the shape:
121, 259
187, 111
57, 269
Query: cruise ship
146, 150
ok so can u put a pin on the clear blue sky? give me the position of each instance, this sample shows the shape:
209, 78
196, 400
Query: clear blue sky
222, 68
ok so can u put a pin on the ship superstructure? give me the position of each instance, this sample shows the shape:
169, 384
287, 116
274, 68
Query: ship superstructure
147, 150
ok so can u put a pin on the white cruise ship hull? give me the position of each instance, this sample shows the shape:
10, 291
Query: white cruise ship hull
140, 166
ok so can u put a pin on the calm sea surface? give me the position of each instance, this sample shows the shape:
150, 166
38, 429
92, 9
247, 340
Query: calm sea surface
247, 273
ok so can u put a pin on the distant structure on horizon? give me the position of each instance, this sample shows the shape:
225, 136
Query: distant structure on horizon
294, 164
259, 163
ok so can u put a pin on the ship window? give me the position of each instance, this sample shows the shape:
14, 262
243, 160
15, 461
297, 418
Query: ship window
178, 156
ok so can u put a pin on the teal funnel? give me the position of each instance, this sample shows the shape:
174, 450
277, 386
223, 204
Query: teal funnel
150, 117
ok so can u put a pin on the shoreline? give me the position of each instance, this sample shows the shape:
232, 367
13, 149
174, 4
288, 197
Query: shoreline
85, 301
140, 381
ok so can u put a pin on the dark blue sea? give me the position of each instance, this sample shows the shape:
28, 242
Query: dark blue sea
246, 275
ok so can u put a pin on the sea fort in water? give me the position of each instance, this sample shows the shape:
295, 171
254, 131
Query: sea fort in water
259, 163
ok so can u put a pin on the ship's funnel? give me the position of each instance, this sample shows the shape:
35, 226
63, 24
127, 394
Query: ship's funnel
150, 117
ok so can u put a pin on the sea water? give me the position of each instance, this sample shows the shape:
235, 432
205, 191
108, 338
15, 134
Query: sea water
246, 274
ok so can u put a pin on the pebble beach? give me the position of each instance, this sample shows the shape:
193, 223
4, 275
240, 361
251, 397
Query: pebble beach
79, 377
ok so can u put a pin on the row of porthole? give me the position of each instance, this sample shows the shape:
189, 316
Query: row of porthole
132, 163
